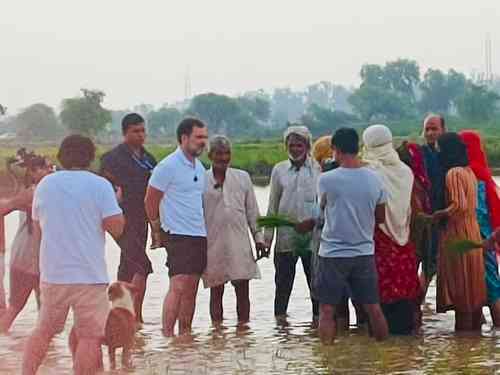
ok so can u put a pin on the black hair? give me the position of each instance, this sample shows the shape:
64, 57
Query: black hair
346, 140
131, 119
186, 127
452, 151
76, 151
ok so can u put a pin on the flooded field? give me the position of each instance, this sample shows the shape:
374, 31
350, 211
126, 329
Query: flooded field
265, 347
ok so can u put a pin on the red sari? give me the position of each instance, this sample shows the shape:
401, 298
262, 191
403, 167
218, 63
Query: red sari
397, 269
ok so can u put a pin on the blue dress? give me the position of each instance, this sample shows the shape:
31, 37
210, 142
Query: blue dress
490, 258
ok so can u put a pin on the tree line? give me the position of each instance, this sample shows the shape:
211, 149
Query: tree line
396, 92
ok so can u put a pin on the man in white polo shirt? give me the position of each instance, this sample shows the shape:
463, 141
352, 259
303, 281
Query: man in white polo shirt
72, 210
174, 205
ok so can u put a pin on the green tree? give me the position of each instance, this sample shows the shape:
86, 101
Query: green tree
322, 120
478, 103
440, 90
223, 115
257, 106
377, 103
86, 114
403, 76
287, 106
322, 94
164, 121
37, 122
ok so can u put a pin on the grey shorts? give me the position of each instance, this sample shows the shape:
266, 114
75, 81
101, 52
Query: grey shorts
337, 277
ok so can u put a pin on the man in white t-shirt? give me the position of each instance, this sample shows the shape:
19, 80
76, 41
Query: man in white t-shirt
174, 205
72, 210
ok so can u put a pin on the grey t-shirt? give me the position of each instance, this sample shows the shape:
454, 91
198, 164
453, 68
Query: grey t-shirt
352, 195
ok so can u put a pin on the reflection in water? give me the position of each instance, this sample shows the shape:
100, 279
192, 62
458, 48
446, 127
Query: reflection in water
264, 347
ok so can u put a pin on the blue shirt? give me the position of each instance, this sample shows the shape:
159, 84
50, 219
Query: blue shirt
183, 184
352, 195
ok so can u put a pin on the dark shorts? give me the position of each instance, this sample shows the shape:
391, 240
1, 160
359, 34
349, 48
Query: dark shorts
133, 257
21, 285
336, 278
186, 255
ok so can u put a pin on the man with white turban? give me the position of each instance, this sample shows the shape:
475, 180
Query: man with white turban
294, 194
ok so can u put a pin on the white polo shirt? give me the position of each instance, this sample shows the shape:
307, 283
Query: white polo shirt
183, 184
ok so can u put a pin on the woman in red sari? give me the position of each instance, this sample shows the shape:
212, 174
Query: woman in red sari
394, 252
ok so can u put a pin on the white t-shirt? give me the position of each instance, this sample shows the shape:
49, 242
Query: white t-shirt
70, 206
181, 209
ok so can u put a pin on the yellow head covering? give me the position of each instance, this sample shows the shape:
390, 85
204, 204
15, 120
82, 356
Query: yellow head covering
322, 149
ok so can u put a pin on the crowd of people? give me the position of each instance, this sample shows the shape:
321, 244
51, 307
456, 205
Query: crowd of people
372, 226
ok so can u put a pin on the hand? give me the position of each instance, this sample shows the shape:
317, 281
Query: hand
439, 215
262, 250
305, 226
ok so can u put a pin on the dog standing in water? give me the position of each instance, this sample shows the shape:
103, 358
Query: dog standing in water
121, 326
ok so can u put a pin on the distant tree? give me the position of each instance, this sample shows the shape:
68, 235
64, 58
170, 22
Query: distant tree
258, 107
287, 105
403, 76
223, 115
440, 90
377, 103
164, 121
478, 103
322, 94
37, 122
3, 110
373, 75
85, 115
322, 120
144, 109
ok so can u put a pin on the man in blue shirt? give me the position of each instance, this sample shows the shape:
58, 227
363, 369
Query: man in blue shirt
174, 204
354, 198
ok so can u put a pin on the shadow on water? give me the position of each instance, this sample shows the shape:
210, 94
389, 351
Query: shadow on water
265, 347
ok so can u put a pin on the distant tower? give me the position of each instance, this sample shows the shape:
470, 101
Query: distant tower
187, 84
488, 77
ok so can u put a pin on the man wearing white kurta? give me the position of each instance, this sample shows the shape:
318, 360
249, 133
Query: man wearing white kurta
230, 211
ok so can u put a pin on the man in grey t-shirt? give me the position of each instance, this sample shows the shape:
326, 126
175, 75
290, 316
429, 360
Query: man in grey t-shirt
353, 198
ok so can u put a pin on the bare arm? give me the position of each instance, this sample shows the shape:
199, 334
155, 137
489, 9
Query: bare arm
380, 213
37, 235
114, 225
152, 203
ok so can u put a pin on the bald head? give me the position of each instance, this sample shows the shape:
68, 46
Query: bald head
434, 127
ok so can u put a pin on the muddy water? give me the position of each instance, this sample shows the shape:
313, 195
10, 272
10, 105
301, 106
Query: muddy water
266, 348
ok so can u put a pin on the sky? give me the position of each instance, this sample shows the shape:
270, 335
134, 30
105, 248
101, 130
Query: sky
139, 51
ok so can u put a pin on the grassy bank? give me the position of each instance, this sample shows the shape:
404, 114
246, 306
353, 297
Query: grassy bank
257, 159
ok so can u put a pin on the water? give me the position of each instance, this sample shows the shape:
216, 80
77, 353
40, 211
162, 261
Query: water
266, 348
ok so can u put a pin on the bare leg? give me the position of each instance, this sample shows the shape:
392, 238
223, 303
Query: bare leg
35, 351
468, 321
188, 303
378, 323
139, 282
242, 301
216, 308
112, 357
126, 356
88, 357
171, 304
326, 324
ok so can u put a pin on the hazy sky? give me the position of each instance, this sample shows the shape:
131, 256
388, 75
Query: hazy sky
138, 51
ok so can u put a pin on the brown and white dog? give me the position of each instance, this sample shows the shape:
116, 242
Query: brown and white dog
121, 324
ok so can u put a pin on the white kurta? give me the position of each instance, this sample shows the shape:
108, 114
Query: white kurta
230, 211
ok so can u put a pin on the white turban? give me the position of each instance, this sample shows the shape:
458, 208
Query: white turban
377, 135
299, 130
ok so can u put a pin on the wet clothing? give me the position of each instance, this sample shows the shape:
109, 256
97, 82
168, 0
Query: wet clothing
490, 258
130, 172
461, 278
186, 255
230, 211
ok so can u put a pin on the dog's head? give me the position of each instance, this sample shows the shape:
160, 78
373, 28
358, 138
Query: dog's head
119, 289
